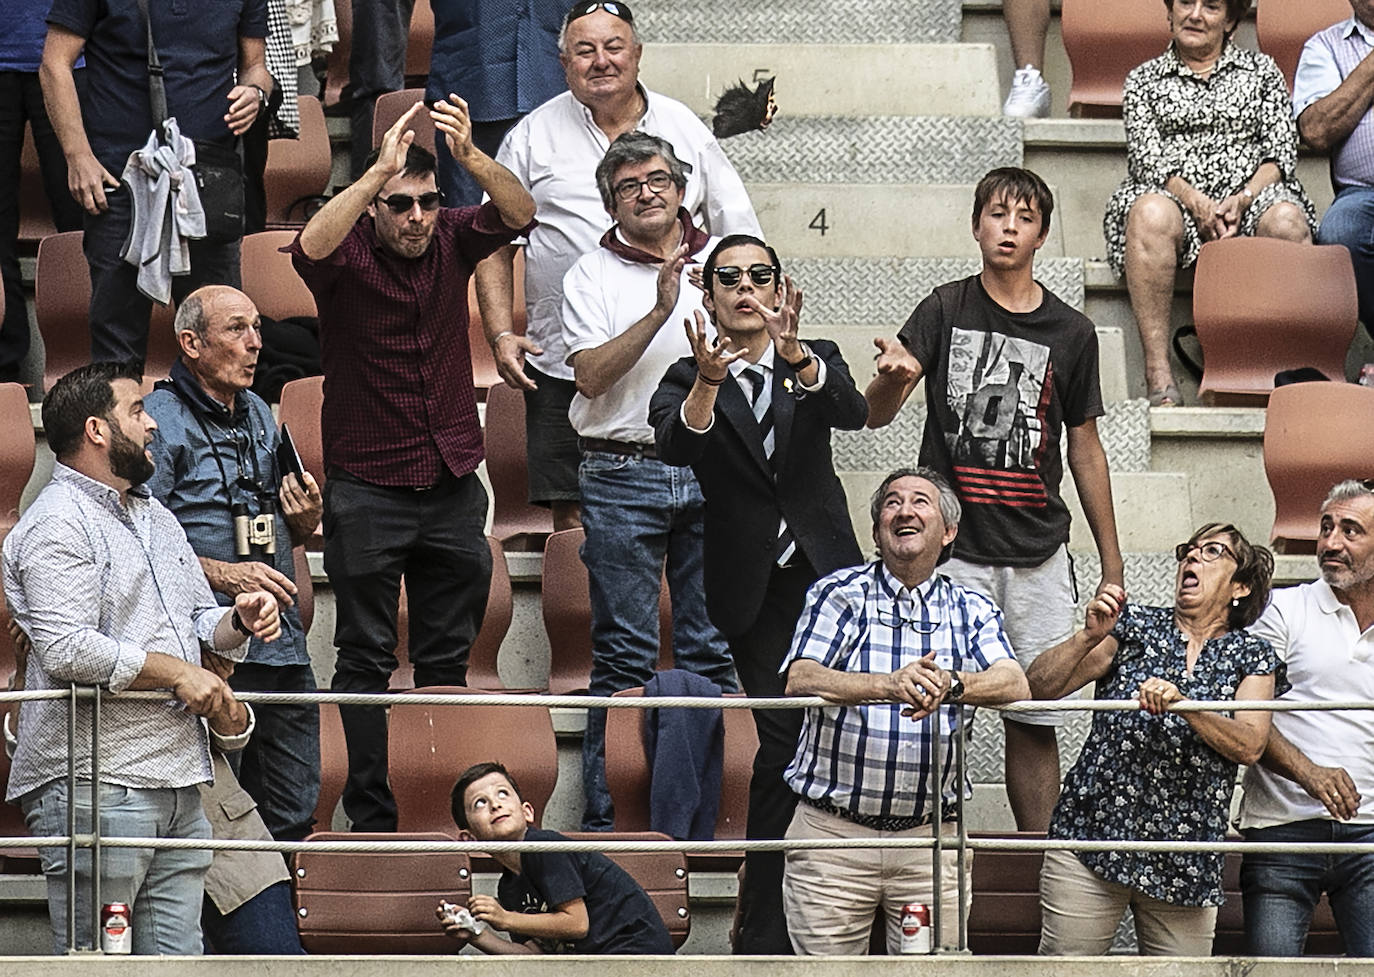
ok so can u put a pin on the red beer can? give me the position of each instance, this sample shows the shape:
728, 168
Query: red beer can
915, 928
116, 929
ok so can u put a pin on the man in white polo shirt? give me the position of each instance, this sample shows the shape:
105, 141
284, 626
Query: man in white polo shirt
554, 151
624, 305
1315, 783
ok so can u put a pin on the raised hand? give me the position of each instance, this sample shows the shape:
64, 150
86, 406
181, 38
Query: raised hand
713, 359
391, 155
1103, 611
895, 360
670, 281
451, 117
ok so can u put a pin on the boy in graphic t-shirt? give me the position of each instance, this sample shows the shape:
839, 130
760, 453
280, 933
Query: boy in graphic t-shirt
581, 901
1009, 368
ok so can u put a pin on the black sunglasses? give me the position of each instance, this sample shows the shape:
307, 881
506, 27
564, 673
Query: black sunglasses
729, 275
612, 7
400, 203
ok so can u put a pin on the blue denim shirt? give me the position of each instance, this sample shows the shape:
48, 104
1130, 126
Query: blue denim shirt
188, 482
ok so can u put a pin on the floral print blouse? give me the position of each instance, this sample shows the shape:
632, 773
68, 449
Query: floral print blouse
1152, 778
1214, 132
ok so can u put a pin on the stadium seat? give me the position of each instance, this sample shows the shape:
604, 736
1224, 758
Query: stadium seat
333, 765
35, 214
270, 280
418, 47
1283, 27
16, 453
377, 902
298, 169
1005, 918
1315, 435
301, 401
392, 106
484, 375
1262, 305
627, 769
504, 434
421, 40
662, 874
336, 64
566, 605
1105, 39
62, 300
431, 745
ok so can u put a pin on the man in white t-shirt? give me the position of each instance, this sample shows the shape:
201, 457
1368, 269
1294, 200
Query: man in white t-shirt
1315, 783
553, 151
624, 306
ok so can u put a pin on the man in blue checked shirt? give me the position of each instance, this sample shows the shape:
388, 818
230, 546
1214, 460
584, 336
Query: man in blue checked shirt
897, 633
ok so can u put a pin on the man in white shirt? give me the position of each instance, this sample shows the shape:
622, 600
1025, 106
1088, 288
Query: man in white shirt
1315, 783
554, 151
623, 309
1332, 94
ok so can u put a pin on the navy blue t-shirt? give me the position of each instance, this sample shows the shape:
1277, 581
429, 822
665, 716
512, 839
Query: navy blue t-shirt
621, 917
198, 44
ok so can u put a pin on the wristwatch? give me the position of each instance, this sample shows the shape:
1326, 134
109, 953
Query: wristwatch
262, 97
802, 363
956, 688
239, 626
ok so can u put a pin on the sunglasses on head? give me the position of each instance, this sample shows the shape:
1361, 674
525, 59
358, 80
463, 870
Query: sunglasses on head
612, 7
730, 275
400, 203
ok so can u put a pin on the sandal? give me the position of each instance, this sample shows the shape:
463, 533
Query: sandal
1166, 397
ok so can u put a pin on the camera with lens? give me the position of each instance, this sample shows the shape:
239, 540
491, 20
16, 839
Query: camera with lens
258, 531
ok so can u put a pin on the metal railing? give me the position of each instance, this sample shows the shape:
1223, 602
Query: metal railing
938, 844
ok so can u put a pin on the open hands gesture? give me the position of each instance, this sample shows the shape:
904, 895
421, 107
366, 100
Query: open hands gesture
391, 156
713, 359
782, 321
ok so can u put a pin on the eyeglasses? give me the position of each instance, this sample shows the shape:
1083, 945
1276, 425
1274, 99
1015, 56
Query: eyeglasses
615, 9
657, 182
729, 275
889, 618
401, 203
1207, 552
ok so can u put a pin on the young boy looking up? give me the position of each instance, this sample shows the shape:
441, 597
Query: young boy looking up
543, 899
1008, 368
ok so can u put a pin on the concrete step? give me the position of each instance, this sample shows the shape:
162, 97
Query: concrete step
800, 21
832, 79
876, 149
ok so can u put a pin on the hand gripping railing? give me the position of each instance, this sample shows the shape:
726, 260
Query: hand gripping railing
937, 844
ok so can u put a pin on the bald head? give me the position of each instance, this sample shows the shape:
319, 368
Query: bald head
220, 335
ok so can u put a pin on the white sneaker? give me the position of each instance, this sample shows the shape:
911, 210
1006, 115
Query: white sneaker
1029, 97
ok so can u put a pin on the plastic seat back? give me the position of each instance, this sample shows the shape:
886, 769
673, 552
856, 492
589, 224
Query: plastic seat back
1262, 305
298, 169
1282, 27
482, 659
377, 902
431, 745
484, 374
269, 278
16, 452
661, 874
1315, 435
301, 402
392, 105
1105, 39
35, 212
504, 433
420, 41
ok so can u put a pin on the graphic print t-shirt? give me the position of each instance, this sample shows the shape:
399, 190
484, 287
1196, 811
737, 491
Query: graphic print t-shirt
1000, 387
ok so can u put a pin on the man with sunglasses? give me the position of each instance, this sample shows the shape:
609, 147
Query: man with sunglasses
216, 470
622, 305
554, 151
918, 649
1315, 782
389, 270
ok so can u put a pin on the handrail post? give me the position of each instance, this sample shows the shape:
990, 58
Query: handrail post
97, 854
937, 813
71, 821
961, 778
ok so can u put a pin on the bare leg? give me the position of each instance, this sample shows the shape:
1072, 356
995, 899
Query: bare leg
1032, 772
1154, 235
1028, 21
1285, 221
566, 515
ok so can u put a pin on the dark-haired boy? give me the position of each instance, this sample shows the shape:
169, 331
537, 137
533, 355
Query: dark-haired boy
1009, 368
582, 899
389, 271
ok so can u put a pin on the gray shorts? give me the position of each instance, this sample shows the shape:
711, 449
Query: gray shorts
550, 441
1039, 607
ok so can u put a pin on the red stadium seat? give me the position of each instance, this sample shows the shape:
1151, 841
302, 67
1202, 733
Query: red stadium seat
298, 169
35, 214
301, 401
1105, 39
1283, 27
16, 454
504, 433
270, 280
392, 106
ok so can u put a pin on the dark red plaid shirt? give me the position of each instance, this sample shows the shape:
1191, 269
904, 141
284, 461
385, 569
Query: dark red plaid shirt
398, 398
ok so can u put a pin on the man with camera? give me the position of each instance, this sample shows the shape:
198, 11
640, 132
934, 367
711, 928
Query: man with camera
217, 471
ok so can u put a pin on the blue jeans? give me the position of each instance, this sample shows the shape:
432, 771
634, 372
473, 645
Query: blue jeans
637, 512
1350, 221
1281, 890
163, 888
280, 766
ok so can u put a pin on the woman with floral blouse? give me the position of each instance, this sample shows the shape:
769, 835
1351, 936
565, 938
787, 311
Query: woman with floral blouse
1154, 775
1211, 152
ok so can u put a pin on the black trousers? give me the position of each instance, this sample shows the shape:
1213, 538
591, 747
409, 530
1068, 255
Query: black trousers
758, 655
373, 537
